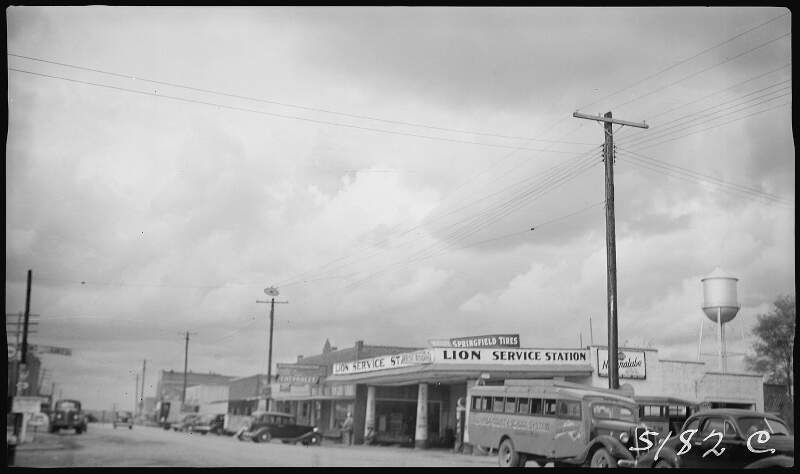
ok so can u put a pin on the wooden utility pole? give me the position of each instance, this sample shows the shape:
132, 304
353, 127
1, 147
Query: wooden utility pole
136, 392
185, 366
141, 399
611, 244
271, 291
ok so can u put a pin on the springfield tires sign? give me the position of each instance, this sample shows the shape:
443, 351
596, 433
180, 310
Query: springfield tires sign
631, 364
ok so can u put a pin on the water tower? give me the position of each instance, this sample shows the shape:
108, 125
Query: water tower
720, 304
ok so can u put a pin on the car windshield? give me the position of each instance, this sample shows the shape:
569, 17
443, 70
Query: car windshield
611, 411
67, 406
751, 424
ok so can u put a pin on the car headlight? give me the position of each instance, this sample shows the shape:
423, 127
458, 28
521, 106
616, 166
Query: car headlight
315, 429
624, 437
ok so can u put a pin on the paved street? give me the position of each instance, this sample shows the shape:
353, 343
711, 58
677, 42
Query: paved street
104, 446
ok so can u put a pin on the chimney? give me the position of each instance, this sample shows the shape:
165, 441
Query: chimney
359, 346
299, 358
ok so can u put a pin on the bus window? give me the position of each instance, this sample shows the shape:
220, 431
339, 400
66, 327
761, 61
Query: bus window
536, 406
524, 407
476, 403
511, 405
487, 404
569, 409
498, 405
549, 407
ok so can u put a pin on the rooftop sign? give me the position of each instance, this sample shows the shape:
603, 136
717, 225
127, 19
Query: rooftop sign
491, 340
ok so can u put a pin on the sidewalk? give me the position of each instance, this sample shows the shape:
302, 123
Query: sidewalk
42, 441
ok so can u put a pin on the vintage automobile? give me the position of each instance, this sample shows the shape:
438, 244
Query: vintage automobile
268, 425
68, 415
724, 438
186, 422
209, 424
123, 418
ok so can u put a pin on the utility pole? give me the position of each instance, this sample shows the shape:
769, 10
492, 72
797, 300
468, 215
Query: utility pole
185, 366
136, 392
22, 370
611, 245
141, 399
273, 292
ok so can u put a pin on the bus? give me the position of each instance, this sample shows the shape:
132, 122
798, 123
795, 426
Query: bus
547, 420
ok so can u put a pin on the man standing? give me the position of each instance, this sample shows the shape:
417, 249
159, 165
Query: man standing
347, 429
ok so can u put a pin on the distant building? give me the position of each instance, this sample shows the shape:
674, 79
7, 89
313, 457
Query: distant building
170, 383
208, 399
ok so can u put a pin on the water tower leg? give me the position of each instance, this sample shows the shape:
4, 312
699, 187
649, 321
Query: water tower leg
721, 349
700, 341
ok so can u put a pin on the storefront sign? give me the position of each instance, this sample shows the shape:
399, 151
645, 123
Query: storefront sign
298, 379
511, 356
395, 361
631, 364
495, 340
27, 404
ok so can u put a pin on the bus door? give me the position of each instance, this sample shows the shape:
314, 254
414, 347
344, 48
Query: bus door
570, 433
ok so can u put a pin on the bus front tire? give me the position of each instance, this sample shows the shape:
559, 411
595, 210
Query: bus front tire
507, 456
602, 458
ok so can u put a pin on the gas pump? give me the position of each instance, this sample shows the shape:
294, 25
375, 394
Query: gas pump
460, 419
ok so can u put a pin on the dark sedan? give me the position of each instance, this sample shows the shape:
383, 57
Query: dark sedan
267, 425
725, 438
209, 424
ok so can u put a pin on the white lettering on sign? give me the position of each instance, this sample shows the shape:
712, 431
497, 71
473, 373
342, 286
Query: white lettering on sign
631, 364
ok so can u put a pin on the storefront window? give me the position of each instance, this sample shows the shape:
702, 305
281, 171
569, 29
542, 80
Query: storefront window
498, 405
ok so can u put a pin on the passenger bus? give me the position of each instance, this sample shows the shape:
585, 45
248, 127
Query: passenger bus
546, 420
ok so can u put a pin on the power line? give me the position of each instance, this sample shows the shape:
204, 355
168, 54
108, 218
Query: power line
467, 230
676, 171
684, 123
685, 60
284, 104
293, 117
716, 126
361, 281
726, 60
702, 98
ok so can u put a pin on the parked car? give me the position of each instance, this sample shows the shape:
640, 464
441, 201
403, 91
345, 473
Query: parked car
740, 439
209, 424
68, 415
123, 418
186, 422
268, 425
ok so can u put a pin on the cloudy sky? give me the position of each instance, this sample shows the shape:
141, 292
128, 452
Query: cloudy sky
384, 167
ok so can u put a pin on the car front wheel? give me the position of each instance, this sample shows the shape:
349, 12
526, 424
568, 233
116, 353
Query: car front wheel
663, 464
264, 437
602, 458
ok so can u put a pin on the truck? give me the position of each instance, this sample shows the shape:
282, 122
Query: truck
168, 412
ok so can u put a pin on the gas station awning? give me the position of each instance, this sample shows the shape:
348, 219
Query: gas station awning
433, 373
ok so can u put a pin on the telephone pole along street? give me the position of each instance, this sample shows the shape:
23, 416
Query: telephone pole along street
611, 245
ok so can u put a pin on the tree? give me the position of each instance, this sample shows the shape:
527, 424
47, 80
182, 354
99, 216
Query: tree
774, 346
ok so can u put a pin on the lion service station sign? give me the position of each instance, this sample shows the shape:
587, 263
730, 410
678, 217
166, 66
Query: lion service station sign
631, 364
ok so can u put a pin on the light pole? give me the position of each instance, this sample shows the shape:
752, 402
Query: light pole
273, 292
